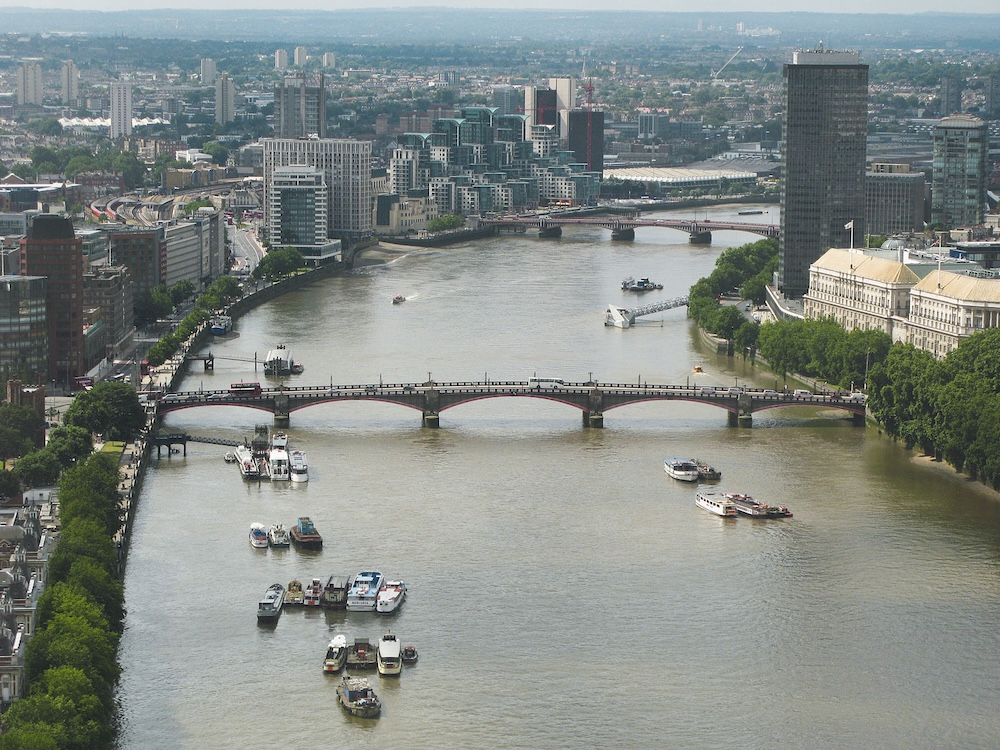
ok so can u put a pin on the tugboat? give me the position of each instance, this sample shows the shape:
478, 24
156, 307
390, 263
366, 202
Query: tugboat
409, 654
357, 697
304, 534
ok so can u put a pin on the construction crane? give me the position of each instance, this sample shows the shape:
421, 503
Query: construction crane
715, 73
588, 89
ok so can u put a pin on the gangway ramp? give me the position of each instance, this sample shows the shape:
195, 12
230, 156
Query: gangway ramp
621, 317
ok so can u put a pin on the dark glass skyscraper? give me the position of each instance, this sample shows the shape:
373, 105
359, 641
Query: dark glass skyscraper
823, 160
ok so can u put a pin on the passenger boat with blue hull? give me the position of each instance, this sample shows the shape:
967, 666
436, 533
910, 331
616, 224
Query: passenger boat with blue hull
221, 325
363, 593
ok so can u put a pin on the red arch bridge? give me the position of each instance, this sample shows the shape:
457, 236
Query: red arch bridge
623, 228
431, 398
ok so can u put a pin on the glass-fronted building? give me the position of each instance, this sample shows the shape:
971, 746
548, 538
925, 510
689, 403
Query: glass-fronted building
24, 342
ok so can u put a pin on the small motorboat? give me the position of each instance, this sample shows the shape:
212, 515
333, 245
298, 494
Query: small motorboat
229, 458
297, 369
278, 536
398, 299
336, 654
409, 654
390, 596
258, 535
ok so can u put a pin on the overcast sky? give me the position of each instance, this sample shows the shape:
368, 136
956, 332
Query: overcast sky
833, 6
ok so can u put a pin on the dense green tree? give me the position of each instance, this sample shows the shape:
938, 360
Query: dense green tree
108, 592
34, 723
10, 485
278, 263
90, 491
111, 409
218, 152
85, 538
181, 291
21, 430
37, 469
69, 444
76, 636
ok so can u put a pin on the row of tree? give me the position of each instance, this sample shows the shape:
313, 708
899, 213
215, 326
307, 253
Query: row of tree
948, 408
819, 349
71, 666
219, 293
278, 264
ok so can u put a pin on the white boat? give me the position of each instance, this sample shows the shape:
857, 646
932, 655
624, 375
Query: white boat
717, 503
389, 658
336, 654
312, 593
390, 596
245, 459
684, 469
277, 462
298, 467
278, 536
258, 535
278, 362
269, 608
229, 457
363, 593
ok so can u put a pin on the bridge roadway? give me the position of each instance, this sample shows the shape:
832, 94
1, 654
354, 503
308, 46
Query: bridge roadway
431, 398
624, 227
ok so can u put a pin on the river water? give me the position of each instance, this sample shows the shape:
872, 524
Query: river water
564, 592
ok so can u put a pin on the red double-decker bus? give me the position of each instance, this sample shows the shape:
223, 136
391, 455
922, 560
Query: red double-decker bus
245, 389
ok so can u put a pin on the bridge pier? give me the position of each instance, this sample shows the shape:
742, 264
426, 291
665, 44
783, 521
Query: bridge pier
431, 419
282, 416
622, 234
594, 419
700, 238
858, 420
545, 232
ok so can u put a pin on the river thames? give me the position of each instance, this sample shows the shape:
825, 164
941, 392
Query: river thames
563, 591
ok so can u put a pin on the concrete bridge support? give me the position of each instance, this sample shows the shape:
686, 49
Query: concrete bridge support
700, 238
431, 419
550, 232
858, 420
282, 416
593, 419
623, 234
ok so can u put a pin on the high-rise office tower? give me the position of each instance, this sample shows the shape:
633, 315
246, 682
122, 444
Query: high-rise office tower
958, 184
347, 172
70, 84
300, 108
29, 83
225, 100
298, 207
565, 89
121, 110
993, 96
24, 328
823, 147
51, 249
586, 138
300, 56
280, 59
208, 71
329, 60
951, 95
505, 99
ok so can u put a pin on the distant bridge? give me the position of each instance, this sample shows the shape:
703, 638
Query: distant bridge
432, 398
623, 228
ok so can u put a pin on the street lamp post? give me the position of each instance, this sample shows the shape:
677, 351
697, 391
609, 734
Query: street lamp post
868, 355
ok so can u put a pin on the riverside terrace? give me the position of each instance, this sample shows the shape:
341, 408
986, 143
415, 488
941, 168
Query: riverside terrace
431, 398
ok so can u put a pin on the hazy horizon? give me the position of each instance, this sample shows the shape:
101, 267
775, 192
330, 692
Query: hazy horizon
891, 7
